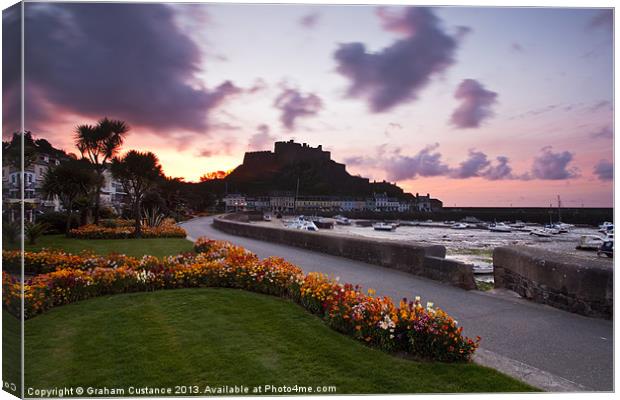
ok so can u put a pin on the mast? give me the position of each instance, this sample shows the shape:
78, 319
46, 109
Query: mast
559, 210
296, 195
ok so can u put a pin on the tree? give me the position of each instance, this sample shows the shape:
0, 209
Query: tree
69, 181
138, 173
99, 144
12, 151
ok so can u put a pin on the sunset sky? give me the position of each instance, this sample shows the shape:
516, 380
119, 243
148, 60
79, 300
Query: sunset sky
478, 106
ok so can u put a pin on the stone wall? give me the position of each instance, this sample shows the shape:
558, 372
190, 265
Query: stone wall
559, 280
427, 261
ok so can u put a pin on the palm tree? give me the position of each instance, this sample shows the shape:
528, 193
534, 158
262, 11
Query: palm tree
138, 173
99, 144
69, 181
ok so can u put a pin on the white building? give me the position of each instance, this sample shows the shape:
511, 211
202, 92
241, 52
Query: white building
423, 203
235, 202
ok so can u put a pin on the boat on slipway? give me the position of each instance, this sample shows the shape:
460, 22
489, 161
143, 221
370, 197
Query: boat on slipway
544, 232
302, 224
383, 226
340, 220
500, 227
590, 242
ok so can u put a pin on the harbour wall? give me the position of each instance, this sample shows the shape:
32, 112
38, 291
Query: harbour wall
566, 282
426, 261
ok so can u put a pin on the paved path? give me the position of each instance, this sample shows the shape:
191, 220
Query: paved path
547, 347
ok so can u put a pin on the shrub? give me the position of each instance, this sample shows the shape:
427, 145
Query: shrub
116, 223
34, 231
92, 231
57, 221
424, 332
11, 232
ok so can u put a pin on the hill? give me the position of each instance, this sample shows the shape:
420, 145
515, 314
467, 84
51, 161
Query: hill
263, 172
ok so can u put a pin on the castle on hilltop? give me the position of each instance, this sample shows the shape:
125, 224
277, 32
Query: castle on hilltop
288, 153
310, 173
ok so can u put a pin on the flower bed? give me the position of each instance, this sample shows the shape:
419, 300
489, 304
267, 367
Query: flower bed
47, 260
425, 332
127, 232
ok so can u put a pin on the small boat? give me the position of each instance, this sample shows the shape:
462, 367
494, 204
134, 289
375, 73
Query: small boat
266, 217
382, 226
590, 242
448, 222
518, 225
499, 227
340, 220
302, 224
459, 226
560, 227
543, 232
606, 227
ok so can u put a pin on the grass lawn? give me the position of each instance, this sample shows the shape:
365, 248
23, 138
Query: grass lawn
11, 352
222, 337
131, 247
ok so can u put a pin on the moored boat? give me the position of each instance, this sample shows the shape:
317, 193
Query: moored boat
459, 225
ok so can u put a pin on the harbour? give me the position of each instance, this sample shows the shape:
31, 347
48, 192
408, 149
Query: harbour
472, 244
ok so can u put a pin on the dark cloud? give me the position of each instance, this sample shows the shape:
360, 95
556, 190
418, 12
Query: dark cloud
425, 163
397, 73
476, 102
428, 162
261, 140
310, 20
604, 132
604, 170
477, 165
293, 104
127, 61
11, 71
603, 19
548, 165
501, 170
553, 166
472, 167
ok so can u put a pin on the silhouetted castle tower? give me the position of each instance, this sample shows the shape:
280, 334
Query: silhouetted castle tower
287, 153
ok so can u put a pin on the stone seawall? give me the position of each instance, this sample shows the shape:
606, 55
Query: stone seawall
562, 281
427, 261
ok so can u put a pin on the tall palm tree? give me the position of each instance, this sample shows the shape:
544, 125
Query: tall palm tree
99, 144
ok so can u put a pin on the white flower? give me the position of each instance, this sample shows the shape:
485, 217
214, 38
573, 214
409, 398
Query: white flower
417, 298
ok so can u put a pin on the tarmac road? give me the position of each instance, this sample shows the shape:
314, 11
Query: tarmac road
546, 347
